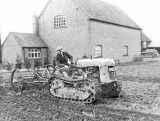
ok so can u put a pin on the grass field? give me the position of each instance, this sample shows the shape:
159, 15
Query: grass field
140, 100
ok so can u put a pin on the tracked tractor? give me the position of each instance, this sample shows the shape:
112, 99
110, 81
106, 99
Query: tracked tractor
90, 79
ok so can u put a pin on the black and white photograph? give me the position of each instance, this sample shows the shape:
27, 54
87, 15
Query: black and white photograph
79, 60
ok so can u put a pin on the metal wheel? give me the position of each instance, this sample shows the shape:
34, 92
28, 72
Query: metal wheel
17, 81
52, 86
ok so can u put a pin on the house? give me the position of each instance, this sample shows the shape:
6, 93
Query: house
25, 45
89, 27
146, 41
83, 27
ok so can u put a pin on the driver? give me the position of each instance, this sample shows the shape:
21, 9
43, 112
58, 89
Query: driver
63, 60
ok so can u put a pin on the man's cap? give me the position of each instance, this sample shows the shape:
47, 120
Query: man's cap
59, 48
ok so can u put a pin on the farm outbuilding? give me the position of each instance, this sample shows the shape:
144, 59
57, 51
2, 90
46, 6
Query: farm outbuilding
146, 41
25, 45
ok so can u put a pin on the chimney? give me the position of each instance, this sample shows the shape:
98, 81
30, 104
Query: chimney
35, 24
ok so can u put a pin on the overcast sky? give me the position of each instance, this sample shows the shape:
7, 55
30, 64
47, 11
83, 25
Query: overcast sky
16, 15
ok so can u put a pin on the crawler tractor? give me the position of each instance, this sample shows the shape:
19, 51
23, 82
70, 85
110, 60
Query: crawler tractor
89, 80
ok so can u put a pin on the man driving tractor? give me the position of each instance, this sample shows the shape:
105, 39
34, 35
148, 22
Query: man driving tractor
63, 60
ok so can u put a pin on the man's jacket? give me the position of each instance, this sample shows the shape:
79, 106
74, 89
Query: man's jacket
63, 58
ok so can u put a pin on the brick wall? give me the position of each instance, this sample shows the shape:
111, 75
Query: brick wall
113, 38
81, 35
74, 38
10, 49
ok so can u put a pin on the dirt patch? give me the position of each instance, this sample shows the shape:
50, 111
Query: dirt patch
139, 101
34, 105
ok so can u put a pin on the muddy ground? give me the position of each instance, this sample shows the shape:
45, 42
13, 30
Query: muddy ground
139, 101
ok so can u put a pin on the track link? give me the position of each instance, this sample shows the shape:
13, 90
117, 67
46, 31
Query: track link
91, 98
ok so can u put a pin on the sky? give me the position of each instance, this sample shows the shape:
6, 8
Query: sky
16, 15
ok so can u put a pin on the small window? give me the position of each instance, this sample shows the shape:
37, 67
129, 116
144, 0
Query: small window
59, 21
98, 51
125, 50
34, 53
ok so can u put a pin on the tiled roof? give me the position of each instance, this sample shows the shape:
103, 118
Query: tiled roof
102, 11
145, 38
28, 40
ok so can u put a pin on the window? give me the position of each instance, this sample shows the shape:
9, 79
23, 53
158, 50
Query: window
98, 51
125, 50
59, 21
34, 53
